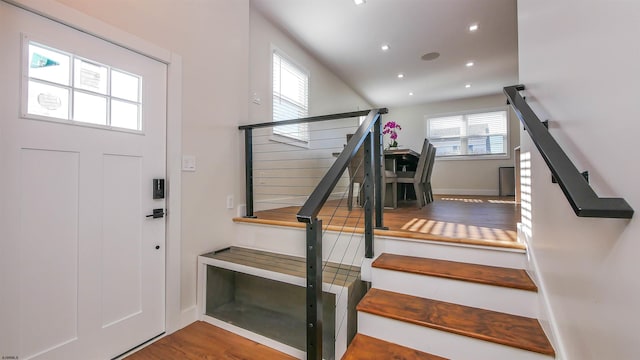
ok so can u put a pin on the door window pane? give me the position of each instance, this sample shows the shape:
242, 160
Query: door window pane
89, 108
48, 65
125, 115
125, 86
48, 100
89, 76
65, 87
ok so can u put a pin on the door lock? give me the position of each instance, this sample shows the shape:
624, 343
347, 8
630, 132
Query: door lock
157, 213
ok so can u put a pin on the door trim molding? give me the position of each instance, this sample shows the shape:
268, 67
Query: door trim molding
82, 22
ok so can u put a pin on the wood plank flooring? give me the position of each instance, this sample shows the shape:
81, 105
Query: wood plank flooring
475, 220
202, 341
511, 330
483, 274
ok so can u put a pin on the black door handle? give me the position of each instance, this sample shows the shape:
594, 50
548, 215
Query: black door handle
157, 213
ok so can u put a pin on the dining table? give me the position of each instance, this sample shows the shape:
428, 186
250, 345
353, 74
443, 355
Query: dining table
402, 159
396, 160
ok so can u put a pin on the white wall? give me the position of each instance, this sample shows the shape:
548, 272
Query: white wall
213, 39
461, 177
328, 94
578, 60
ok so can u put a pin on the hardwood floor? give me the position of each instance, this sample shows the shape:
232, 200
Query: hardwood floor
202, 341
476, 220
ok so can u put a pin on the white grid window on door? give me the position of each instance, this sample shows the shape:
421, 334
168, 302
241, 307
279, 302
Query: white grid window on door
64, 87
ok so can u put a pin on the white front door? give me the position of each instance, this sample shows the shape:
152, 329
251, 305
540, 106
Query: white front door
82, 136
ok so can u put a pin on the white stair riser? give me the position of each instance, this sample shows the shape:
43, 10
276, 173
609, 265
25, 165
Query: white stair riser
442, 343
516, 259
339, 248
496, 298
349, 248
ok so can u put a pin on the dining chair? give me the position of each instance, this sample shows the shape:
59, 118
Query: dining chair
418, 177
356, 174
389, 178
426, 183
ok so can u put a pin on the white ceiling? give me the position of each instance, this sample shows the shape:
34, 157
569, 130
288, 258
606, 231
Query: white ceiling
347, 39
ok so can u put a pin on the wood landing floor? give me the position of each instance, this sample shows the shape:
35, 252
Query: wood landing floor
203, 341
475, 220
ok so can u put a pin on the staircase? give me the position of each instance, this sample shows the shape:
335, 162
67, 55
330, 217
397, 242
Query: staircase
423, 308
432, 299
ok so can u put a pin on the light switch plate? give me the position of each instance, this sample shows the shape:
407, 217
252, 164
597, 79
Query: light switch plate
188, 163
229, 201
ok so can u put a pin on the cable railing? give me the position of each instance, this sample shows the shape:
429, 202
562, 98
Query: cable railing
308, 180
583, 199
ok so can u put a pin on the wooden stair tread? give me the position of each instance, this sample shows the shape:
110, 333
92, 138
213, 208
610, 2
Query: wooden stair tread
490, 275
370, 348
511, 330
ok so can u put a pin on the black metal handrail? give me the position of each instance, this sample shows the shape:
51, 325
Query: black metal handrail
584, 201
369, 136
248, 144
312, 119
319, 196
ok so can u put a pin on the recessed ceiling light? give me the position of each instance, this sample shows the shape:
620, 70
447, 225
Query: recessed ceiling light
469, 64
430, 56
410, 94
467, 86
384, 47
473, 27
400, 76
359, 2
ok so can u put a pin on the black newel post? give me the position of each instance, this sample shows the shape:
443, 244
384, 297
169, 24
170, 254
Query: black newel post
248, 166
314, 290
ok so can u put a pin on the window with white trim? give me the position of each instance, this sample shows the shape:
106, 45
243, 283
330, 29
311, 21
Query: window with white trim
469, 135
64, 87
290, 97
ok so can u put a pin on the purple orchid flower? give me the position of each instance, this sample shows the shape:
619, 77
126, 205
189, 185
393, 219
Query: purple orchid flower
392, 128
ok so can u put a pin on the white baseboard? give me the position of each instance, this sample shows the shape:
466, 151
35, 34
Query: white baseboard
365, 269
484, 192
189, 315
545, 311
